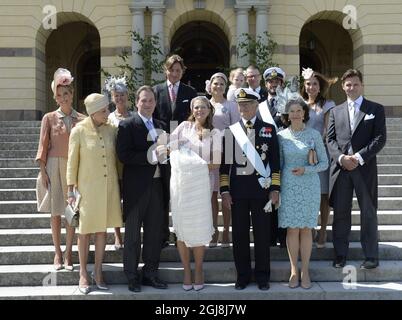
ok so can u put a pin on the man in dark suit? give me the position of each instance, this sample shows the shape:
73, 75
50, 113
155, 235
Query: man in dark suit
253, 78
172, 107
249, 178
144, 192
356, 133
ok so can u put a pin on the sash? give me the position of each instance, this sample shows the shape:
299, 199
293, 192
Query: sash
265, 114
252, 155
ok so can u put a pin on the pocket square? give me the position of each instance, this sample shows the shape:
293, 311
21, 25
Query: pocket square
185, 100
369, 116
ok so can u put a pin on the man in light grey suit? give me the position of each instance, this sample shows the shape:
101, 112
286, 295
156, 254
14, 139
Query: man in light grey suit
356, 133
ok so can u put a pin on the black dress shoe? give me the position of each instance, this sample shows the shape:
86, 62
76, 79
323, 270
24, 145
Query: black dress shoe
240, 285
282, 245
134, 286
369, 263
154, 282
339, 262
263, 286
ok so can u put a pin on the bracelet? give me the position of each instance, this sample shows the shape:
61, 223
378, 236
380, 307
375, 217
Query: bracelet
70, 194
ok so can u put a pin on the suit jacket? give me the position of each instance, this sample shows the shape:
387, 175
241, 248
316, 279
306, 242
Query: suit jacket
367, 138
132, 149
263, 94
242, 184
163, 110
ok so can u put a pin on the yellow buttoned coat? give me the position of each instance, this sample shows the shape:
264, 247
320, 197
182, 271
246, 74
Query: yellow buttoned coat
92, 168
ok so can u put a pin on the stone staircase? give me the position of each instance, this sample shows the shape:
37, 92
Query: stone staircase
26, 252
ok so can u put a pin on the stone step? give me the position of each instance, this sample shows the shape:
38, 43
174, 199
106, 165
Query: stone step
13, 124
43, 236
44, 254
27, 206
18, 163
193, 299
17, 183
42, 220
15, 178
19, 172
19, 137
391, 151
214, 272
30, 194
389, 169
20, 130
18, 154
17, 194
393, 142
19, 145
394, 134
389, 159
393, 121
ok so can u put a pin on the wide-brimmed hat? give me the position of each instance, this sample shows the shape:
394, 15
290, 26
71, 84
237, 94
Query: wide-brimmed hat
95, 102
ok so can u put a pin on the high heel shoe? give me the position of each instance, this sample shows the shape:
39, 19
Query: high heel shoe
214, 241
67, 266
187, 287
100, 286
293, 281
321, 245
198, 287
84, 289
57, 266
225, 239
306, 284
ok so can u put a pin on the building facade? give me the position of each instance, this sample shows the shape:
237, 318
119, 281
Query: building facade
37, 37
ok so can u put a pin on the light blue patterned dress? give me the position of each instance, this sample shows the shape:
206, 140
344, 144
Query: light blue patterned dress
300, 195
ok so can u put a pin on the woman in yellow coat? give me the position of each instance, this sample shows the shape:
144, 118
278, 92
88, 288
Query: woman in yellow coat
92, 170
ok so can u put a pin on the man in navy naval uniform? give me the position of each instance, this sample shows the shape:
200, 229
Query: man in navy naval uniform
249, 180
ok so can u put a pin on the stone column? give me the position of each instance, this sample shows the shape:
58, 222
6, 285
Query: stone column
242, 27
137, 26
157, 29
261, 20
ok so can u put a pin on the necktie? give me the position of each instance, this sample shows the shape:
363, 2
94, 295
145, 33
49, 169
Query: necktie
249, 126
151, 130
272, 108
352, 114
172, 94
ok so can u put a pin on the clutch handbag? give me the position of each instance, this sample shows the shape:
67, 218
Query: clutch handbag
312, 154
72, 216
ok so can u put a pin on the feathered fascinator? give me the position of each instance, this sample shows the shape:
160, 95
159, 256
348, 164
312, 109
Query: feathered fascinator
113, 83
61, 77
290, 92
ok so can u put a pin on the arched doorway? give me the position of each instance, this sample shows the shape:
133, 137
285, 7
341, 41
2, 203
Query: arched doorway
205, 50
75, 46
327, 48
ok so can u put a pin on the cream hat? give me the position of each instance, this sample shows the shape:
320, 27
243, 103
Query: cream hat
95, 102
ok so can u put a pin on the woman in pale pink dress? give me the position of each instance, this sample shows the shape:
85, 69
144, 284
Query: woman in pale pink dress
195, 151
226, 114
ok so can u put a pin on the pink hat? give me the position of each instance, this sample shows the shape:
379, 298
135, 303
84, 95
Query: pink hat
61, 77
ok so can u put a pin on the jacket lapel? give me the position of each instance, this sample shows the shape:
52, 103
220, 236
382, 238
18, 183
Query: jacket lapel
166, 96
345, 116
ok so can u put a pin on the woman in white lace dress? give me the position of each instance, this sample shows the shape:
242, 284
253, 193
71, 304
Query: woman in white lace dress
194, 153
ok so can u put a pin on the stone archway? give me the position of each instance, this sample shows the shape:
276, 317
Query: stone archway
205, 50
74, 45
326, 47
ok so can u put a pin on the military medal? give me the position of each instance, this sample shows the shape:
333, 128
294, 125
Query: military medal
263, 156
265, 132
264, 147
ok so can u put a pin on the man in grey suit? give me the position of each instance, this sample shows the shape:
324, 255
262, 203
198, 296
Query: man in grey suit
356, 133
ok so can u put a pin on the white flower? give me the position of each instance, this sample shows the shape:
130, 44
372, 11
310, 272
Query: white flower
307, 73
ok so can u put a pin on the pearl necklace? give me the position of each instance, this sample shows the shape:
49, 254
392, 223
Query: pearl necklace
297, 134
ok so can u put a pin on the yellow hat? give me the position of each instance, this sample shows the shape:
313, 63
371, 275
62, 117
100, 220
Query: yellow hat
95, 102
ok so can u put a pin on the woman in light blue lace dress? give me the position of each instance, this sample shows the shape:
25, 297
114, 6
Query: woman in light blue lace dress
300, 187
